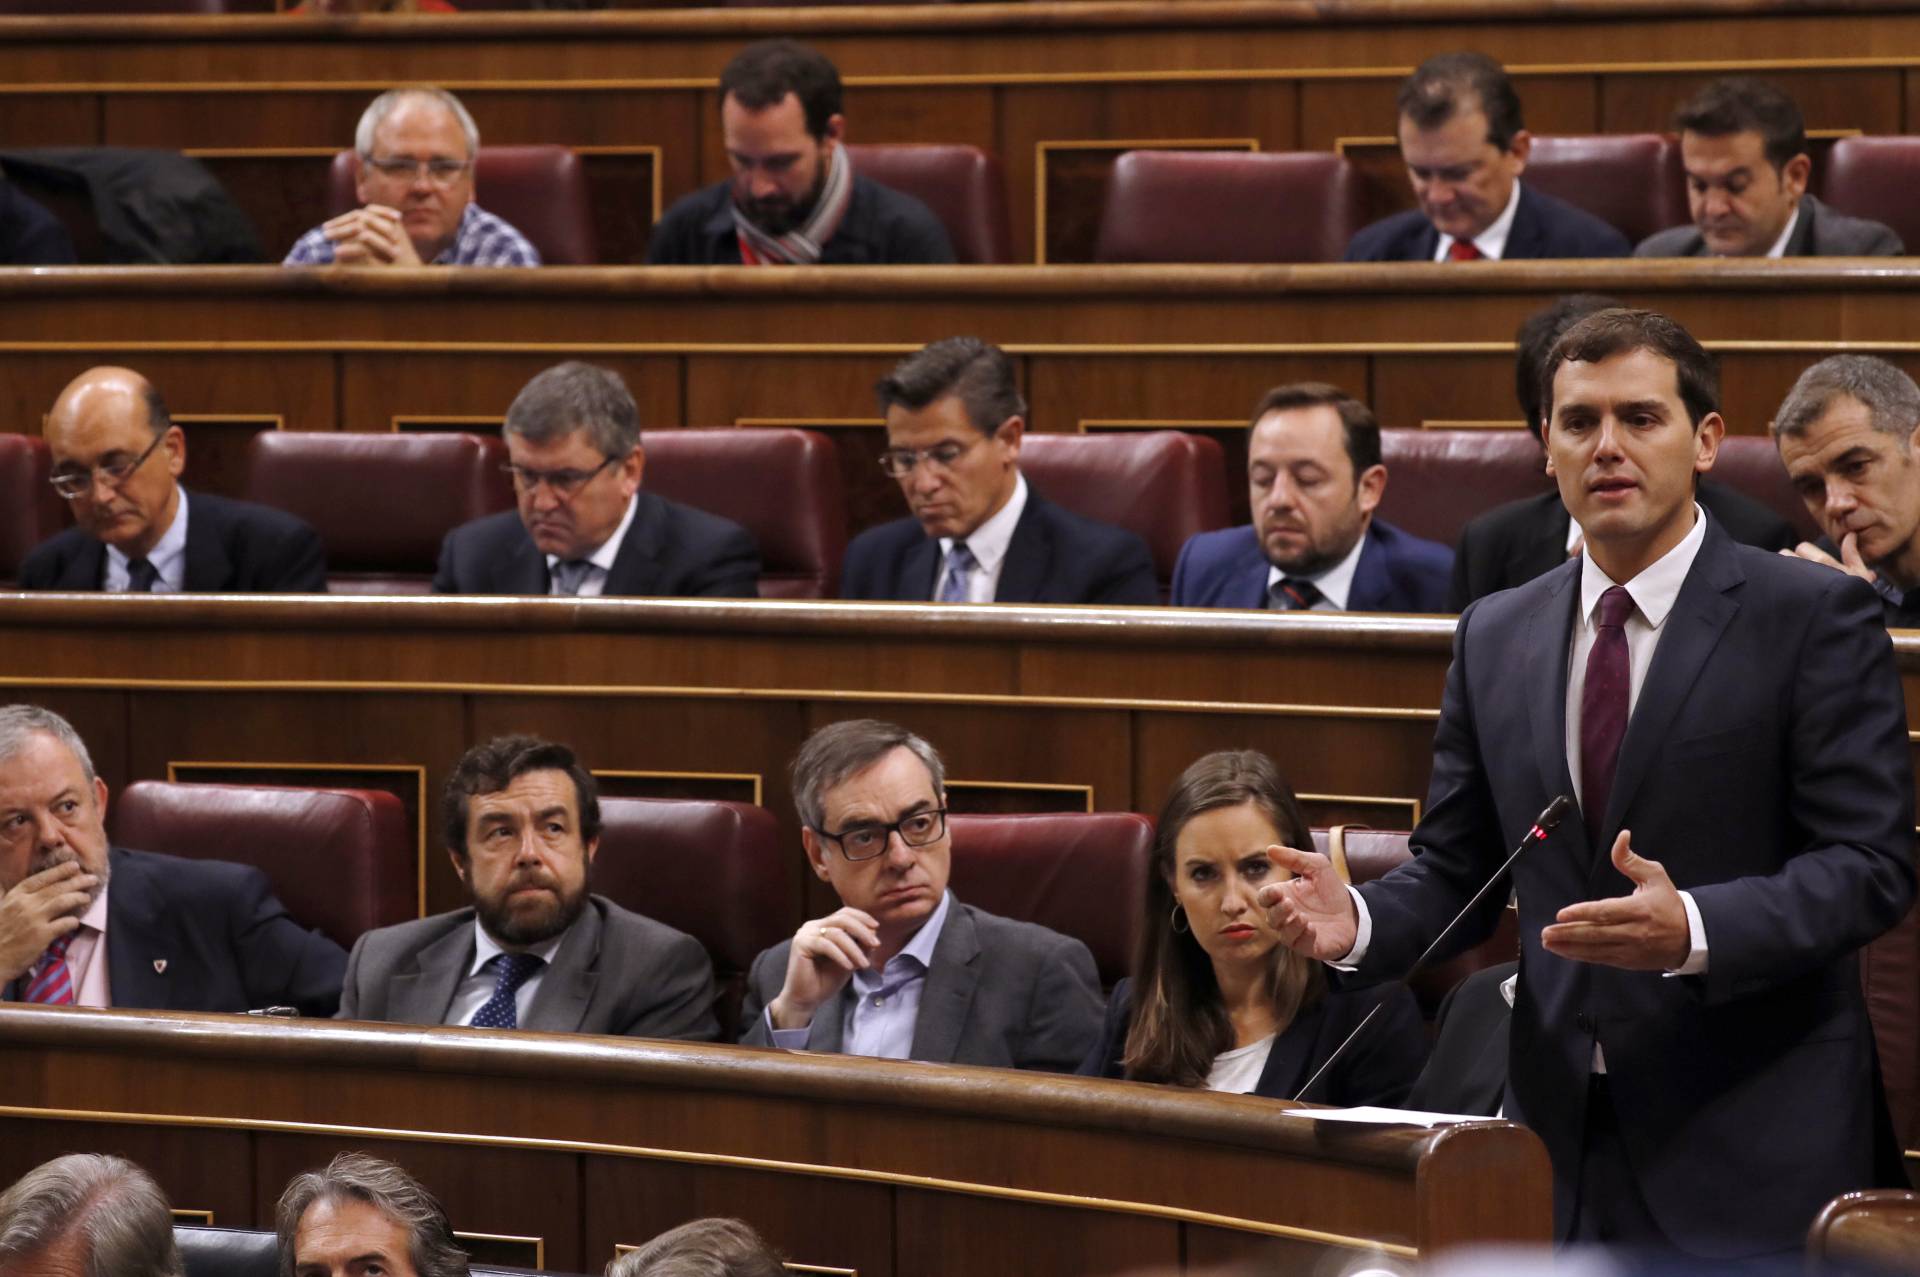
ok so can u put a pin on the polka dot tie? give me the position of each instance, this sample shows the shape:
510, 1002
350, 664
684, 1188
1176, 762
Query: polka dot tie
511, 971
1603, 706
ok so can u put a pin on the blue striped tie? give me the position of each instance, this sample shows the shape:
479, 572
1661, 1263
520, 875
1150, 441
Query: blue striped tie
52, 983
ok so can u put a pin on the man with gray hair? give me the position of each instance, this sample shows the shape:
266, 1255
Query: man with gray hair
712, 1247
583, 525
361, 1215
87, 1215
1846, 435
414, 156
903, 970
86, 924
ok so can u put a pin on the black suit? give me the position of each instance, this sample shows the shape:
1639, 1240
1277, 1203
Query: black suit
233, 547
1467, 1072
1542, 227
1055, 556
670, 551
1511, 544
205, 935
1820, 232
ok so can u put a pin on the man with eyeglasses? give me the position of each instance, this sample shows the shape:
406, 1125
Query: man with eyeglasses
414, 154
978, 533
584, 526
117, 459
903, 970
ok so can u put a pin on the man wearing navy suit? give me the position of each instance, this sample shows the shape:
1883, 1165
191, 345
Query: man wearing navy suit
583, 525
1689, 1037
1465, 146
86, 924
978, 533
1314, 477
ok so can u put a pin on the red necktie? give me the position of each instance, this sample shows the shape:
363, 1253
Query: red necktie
1603, 706
53, 984
1463, 250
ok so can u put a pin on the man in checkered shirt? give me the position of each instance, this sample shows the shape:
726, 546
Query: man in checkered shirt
415, 149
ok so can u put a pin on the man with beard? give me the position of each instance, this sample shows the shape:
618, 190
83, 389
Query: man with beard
794, 198
86, 924
535, 950
1314, 478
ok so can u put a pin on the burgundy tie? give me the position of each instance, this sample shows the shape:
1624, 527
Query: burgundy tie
1464, 250
1603, 706
52, 982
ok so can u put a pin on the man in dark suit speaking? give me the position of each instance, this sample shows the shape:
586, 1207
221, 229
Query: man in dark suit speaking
86, 924
978, 533
584, 525
1689, 1037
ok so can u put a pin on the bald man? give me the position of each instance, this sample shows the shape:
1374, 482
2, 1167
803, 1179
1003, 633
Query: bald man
117, 459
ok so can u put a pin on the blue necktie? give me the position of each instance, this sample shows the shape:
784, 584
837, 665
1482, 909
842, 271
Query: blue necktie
1293, 594
570, 575
514, 970
141, 576
959, 574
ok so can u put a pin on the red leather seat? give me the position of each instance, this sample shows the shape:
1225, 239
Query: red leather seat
1230, 206
1081, 873
1437, 480
717, 871
1875, 177
1165, 485
381, 502
784, 486
30, 510
961, 184
341, 860
1632, 181
1750, 465
540, 190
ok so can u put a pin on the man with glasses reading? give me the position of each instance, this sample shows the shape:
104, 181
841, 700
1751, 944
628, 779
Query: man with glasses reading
978, 533
903, 970
117, 459
584, 526
415, 150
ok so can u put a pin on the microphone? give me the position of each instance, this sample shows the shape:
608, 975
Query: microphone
1544, 824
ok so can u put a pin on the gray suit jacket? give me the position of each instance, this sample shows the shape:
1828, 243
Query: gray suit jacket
616, 972
1821, 232
999, 992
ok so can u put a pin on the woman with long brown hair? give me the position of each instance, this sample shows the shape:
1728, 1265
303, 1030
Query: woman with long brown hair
1215, 1000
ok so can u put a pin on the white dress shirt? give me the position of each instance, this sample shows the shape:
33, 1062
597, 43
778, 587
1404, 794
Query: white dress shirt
988, 544
1238, 1071
595, 583
1779, 248
1335, 583
477, 989
168, 556
1491, 242
87, 956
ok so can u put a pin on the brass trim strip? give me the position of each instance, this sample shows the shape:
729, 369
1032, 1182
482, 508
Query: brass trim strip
262, 152
279, 419
1473, 425
1340, 144
761, 349
755, 777
398, 421
876, 423
539, 1244
188, 1215
688, 1158
1036, 786
1041, 150
1124, 423
1375, 800
792, 1267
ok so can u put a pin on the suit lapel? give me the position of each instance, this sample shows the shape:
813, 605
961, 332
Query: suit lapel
917, 569
952, 980
208, 568
523, 568
86, 570
1801, 242
828, 1032
1371, 584
1029, 558
141, 966
1286, 1070
560, 1004
1549, 639
1523, 237
636, 567
425, 994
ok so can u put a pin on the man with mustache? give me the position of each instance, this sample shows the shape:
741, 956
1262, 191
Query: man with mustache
83, 923
535, 950
794, 198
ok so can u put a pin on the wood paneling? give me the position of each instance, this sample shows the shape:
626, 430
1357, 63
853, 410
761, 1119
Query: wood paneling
959, 1234
178, 1166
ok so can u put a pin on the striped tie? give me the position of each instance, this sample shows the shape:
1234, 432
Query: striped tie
52, 981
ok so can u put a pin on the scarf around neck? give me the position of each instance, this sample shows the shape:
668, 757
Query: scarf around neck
803, 245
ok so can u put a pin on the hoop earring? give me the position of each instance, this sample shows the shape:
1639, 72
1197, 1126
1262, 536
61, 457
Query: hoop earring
1178, 921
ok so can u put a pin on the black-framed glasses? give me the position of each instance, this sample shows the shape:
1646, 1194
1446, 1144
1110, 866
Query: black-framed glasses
75, 482
900, 462
439, 170
565, 484
865, 841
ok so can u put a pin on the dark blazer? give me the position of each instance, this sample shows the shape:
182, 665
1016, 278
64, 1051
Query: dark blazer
882, 227
233, 547
1397, 571
29, 234
615, 973
205, 935
1055, 557
1766, 768
671, 551
1377, 1069
1820, 232
1511, 544
1467, 1072
1012, 995
1542, 227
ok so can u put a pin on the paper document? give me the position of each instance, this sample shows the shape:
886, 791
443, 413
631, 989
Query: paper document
1373, 1116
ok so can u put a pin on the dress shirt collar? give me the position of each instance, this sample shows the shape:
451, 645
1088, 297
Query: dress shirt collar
609, 549
95, 918
168, 556
1336, 583
1779, 248
1656, 588
920, 948
486, 948
1491, 242
990, 541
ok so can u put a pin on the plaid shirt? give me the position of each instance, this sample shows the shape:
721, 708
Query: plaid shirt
482, 240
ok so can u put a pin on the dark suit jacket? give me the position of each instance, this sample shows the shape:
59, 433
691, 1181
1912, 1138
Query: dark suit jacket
1397, 572
1820, 232
1467, 1072
1542, 227
29, 234
1766, 768
233, 547
1511, 544
883, 227
205, 935
1055, 557
615, 973
1012, 995
671, 551
1377, 1069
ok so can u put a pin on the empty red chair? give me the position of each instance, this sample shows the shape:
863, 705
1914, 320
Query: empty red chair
382, 503
784, 486
1875, 177
961, 184
342, 861
1437, 480
30, 510
1230, 206
1165, 485
1751, 466
540, 190
1632, 181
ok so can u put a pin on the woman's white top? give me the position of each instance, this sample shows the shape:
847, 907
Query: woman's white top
1238, 1071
